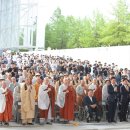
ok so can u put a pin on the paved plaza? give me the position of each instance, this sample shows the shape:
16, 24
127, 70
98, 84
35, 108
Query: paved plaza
72, 126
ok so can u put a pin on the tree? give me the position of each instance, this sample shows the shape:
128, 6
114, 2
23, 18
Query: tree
97, 22
56, 31
76, 29
117, 31
121, 12
70, 32
21, 37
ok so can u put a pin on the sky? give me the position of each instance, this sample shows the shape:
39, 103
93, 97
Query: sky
81, 8
77, 8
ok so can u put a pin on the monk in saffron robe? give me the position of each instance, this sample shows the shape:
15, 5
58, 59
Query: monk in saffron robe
6, 102
46, 102
80, 93
66, 101
27, 102
37, 85
98, 94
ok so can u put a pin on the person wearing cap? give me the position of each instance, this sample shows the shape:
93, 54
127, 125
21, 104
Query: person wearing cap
6, 102
125, 98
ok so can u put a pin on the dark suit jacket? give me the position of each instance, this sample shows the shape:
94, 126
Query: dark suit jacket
112, 95
87, 101
124, 94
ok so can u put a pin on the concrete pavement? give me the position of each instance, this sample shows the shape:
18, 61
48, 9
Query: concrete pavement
71, 126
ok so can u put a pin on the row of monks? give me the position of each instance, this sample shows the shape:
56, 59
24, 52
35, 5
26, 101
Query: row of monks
44, 94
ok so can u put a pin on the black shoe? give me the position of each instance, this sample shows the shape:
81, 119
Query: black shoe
1, 123
65, 122
114, 121
61, 122
98, 120
125, 120
88, 120
109, 121
30, 124
58, 121
23, 123
49, 123
6, 123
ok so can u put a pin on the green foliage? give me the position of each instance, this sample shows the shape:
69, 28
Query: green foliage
56, 31
70, 32
34, 37
21, 37
23, 50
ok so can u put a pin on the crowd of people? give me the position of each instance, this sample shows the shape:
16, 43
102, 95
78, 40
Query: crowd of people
42, 83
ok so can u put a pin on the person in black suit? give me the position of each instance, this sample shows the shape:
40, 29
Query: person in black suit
124, 91
91, 103
112, 100
13, 70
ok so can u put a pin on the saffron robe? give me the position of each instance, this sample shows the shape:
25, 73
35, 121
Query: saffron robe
46, 101
98, 94
67, 108
27, 102
36, 86
2, 100
6, 111
80, 94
